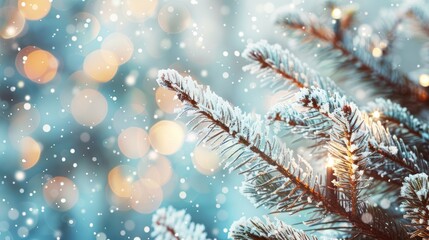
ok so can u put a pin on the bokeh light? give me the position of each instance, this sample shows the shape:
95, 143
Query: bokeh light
167, 100
140, 10
89, 107
166, 137
205, 160
120, 45
155, 167
120, 180
30, 152
40, 66
34, 9
12, 22
60, 193
147, 196
101, 65
133, 142
174, 18
85, 27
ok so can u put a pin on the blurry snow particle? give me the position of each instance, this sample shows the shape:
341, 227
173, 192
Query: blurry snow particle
129, 225
19, 175
225, 53
224, 190
27, 106
146, 229
122, 232
138, 238
204, 73
336, 13
182, 180
85, 137
367, 218
72, 150
13, 214
23, 232
385, 203
29, 221
71, 221
21, 84
75, 165
225, 75
46, 128
182, 195
113, 17
12, 89
236, 53
101, 236
74, 38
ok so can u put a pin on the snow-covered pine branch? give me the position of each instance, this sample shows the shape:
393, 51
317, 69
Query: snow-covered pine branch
171, 224
415, 195
257, 229
418, 11
400, 122
310, 124
380, 142
273, 176
281, 69
354, 54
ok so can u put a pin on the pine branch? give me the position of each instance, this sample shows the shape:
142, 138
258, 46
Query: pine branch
418, 11
269, 167
400, 122
275, 65
380, 142
416, 203
310, 125
256, 229
356, 57
168, 223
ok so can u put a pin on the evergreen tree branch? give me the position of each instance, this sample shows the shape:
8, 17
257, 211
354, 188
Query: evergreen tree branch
265, 162
275, 65
400, 122
256, 229
356, 56
416, 203
168, 223
380, 141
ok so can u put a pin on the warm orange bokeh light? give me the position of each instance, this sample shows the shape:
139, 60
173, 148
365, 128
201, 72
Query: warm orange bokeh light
40, 66
120, 180
205, 160
167, 100
133, 142
12, 22
166, 137
30, 152
147, 196
60, 193
120, 45
140, 10
34, 9
101, 65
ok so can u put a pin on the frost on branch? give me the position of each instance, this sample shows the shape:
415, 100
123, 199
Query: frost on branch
281, 69
352, 52
274, 176
255, 228
400, 122
169, 223
415, 194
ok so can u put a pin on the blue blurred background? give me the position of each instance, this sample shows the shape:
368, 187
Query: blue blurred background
89, 145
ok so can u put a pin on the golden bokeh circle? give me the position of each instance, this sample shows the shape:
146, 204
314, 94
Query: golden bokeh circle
166, 137
167, 100
120, 180
120, 45
34, 9
205, 160
147, 196
60, 193
30, 152
133, 142
101, 65
12, 22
